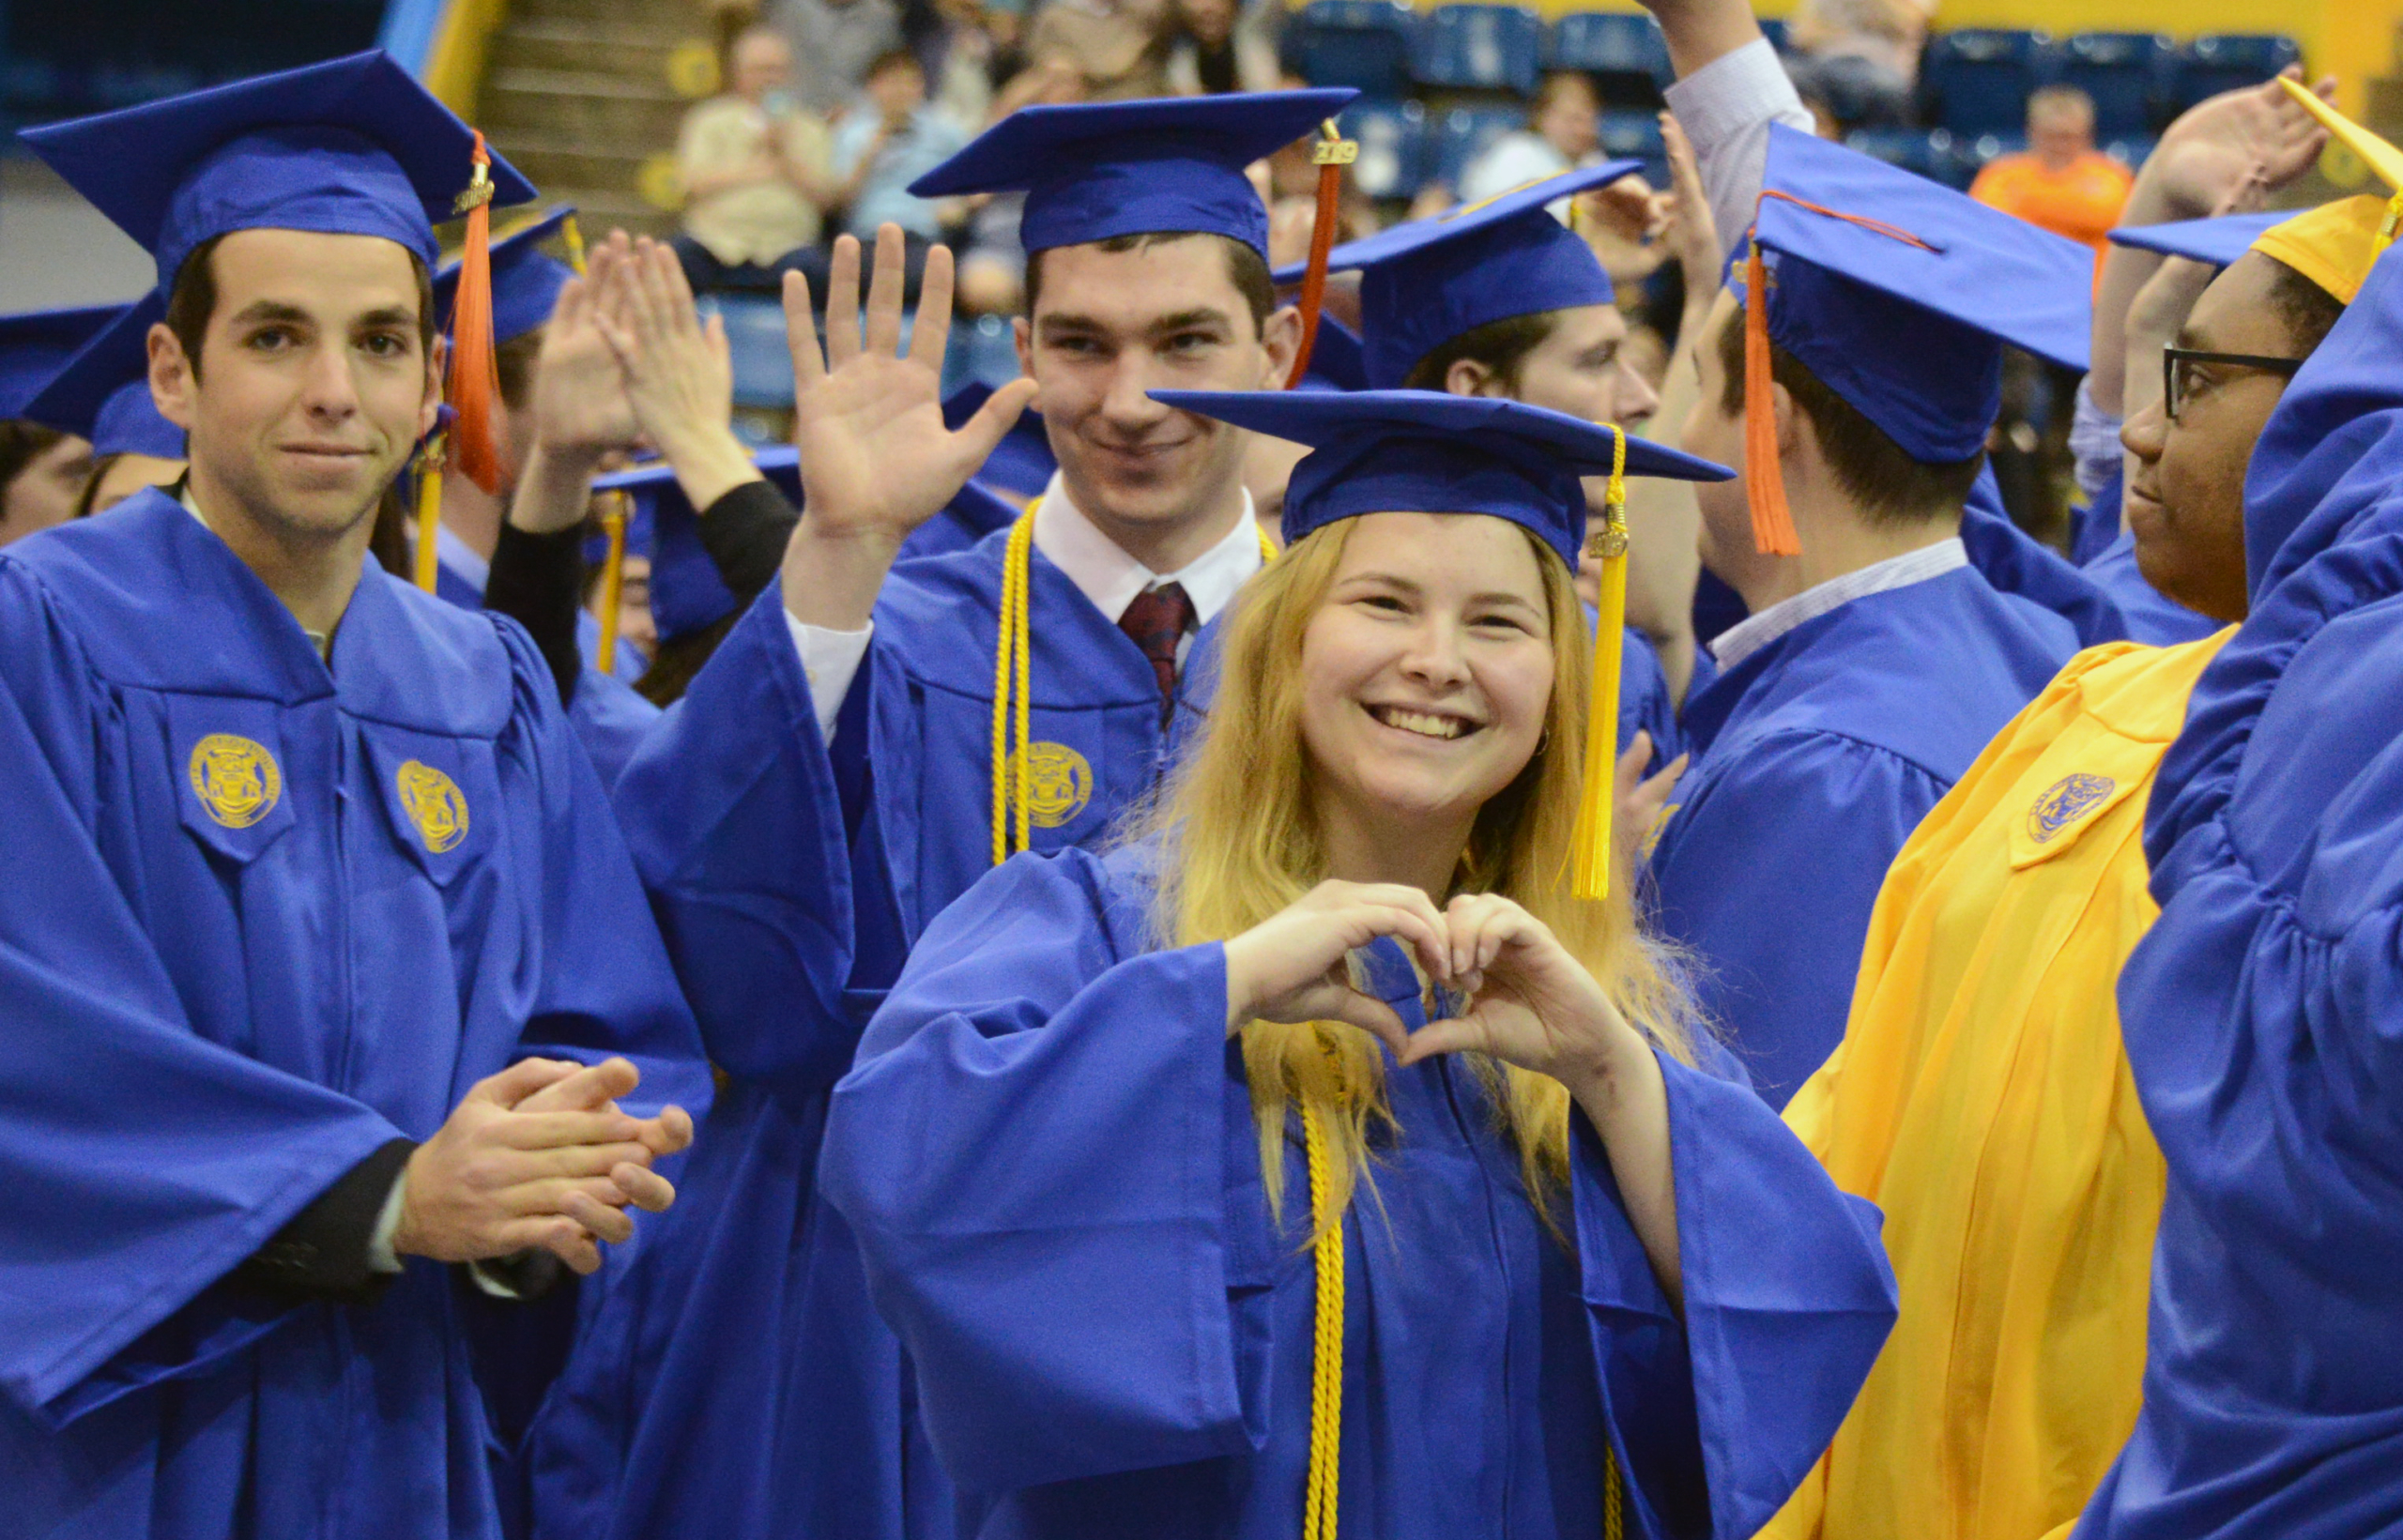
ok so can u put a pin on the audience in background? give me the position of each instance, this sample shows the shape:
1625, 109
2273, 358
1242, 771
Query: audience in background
1563, 132
755, 168
1120, 46
890, 139
833, 43
2062, 182
1218, 46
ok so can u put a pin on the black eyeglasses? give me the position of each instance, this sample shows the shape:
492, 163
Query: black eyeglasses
2178, 372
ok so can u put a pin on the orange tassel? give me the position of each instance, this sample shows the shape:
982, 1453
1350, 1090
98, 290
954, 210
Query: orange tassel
475, 379
1764, 486
1333, 152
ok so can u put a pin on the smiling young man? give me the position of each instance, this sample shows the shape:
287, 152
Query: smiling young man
829, 782
304, 871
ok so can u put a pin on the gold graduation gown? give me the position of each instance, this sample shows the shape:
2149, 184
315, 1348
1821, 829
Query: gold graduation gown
1981, 1098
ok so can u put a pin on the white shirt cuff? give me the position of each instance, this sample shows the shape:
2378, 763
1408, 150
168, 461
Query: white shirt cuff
830, 660
381, 1258
2094, 442
1726, 108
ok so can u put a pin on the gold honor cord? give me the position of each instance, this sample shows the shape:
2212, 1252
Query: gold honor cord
1326, 1347
1590, 870
429, 509
1014, 693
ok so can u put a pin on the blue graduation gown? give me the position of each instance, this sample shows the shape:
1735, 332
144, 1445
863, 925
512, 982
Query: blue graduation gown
214, 1003
2153, 617
1048, 1156
2016, 563
790, 882
2093, 527
1814, 758
2260, 1010
609, 718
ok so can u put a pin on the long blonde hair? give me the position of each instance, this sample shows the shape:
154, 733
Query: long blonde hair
1239, 841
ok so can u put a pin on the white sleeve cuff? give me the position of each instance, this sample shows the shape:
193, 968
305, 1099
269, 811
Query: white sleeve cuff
830, 660
381, 1258
1726, 108
2094, 442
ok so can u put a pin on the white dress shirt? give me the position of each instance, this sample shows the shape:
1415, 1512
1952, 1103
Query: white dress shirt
1741, 640
1097, 564
1726, 108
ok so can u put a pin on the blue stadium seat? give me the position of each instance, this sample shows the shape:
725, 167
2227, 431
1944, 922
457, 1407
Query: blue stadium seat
1970, 153
755, 339
1462, 134
1478, 47
1977, 81
1364, 44
1773, 29
2131, 150
980, 351
2127, 73
1610, 44
1392, 136
2227, 61
1925, 151
1631, 136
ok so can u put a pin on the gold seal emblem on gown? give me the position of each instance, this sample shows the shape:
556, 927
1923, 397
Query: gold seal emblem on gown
235, 779
1059, 783
433, 803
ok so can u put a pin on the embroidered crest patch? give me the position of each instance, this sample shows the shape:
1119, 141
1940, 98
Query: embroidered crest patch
433, 803
1059, 783
235, 779
2064, 802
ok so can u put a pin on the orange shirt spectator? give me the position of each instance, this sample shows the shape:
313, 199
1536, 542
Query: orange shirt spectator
2063, 183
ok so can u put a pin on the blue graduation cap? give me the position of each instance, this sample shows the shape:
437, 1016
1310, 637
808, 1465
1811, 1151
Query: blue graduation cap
1428, 281
525, 279
1092, 171
1021, 463
1339, 362
36, 344
350, 146
1403, 451
1898, 294
2218, 241
103, 392
1385, 451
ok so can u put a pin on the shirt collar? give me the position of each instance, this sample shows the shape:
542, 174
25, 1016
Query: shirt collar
1107, 575
1743, 640
322, 641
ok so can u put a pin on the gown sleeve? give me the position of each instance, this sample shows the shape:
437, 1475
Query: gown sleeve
1788, 1297
116, 1119
1067, 1306
1769, 875
606, 984
737, 813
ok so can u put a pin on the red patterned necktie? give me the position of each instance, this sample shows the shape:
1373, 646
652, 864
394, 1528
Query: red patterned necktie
1156, 621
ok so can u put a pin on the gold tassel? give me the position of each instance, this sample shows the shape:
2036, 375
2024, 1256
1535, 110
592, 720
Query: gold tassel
1590, 872
613, 579
429, 509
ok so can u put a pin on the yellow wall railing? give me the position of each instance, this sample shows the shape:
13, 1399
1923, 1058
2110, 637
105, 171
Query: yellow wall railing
454, 65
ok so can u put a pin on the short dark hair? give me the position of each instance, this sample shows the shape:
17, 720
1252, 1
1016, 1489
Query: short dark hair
22, 443
1502, 346
1889, 486
514, 363
1246, 268
193, 299
893, 58
2307, 312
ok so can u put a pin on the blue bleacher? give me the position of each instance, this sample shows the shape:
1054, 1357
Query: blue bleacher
2227, 61
2131, 150
1461, 134
1364, 44
2127, 73
1970, 153
1619, 48
755, 340
1477, 46
1976, 80
1393, 153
